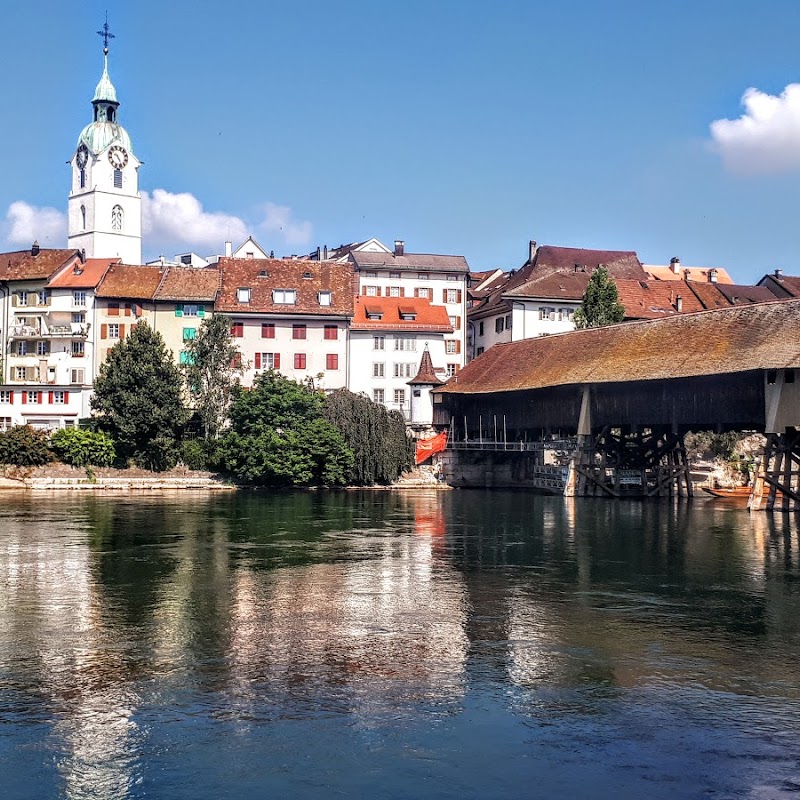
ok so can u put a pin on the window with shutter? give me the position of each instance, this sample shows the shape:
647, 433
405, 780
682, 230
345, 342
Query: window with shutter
268, 330
178, 309
332, 361
331, 332
299, 360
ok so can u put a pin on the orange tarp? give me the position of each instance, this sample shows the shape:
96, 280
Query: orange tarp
427, 447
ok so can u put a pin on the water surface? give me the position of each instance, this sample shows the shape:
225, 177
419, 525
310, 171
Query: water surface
396, 645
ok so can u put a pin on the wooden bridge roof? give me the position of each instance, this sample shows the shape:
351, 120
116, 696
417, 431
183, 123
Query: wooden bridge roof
731, 340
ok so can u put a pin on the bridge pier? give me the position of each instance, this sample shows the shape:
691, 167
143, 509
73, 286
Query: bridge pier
777, 483
620, 463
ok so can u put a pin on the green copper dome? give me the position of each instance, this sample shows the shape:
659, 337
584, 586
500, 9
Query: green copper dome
97, 136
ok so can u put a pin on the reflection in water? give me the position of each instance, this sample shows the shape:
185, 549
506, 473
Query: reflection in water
434, 637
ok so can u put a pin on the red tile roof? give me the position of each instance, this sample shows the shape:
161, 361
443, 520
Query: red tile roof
656, 299
133, 281
736, 339
84, 275
307, 278
188, 283
782, 285
21, 265
428, 317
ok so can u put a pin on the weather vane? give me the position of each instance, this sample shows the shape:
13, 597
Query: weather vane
106, 34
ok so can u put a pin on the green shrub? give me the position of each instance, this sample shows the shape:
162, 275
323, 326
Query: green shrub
82, 448
159, 454
196, 453
24, 446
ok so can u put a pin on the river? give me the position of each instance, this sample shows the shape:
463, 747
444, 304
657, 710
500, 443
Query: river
462, 644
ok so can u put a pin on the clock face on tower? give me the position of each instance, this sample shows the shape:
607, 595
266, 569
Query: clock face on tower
118, 157
82, 157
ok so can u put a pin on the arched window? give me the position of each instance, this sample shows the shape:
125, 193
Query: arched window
83, 217
116, 218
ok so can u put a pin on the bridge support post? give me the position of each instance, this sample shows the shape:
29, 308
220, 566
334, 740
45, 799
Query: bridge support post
777, 484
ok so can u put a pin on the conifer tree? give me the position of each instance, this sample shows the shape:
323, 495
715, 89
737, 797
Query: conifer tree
138, 399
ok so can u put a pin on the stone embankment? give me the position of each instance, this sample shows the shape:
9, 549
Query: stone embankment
61, 477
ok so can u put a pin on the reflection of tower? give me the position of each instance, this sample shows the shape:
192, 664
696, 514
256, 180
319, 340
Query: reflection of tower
105, 209
421, 385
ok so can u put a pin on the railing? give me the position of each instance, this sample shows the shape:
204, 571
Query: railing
36, 332
567, 445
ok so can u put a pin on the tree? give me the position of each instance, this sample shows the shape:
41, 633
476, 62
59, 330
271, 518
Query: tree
213, 367
24, 446
279, 436
377, 437
137, 399
600, 305
81, 448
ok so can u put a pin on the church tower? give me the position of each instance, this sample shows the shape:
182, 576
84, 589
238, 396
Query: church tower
105, 209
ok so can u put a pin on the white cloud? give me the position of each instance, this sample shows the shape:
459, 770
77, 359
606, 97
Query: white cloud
278, 220
170, 223
766, 138
26, 223
179, 219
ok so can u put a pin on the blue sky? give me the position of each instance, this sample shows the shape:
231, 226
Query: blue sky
460, 127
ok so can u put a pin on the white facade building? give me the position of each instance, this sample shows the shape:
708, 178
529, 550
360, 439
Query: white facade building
387, 339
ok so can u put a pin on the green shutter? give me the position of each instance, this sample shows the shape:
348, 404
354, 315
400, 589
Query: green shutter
201, 311
178, 309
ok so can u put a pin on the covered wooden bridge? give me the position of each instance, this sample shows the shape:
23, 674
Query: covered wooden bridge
617, 401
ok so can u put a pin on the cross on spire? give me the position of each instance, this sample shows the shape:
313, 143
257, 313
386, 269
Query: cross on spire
106, 34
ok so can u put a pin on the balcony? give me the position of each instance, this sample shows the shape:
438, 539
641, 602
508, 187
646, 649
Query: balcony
40, 329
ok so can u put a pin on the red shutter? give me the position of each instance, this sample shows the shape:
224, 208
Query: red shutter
24, 398
416, 292
402, 291
113, 310
104, 331
378, 291
332, 361
50, 398
267, 330
39, 397
444, 295
277, 360
459, 295
11, 398
237, 330
258, 360
121, 331
458, 323
458, 346
66, 397
127, 309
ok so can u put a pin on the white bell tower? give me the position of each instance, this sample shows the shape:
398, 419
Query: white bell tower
105, 209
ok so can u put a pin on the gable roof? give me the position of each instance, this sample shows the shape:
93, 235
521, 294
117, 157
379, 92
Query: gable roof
33, 264
188, 283
428, 317
782, 285
81, 275
128, 280
424, 262
736, 339
619, 263
263, 275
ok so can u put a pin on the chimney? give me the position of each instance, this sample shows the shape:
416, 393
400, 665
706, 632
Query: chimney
317, 255
675, 265
325, 253
228, 249
712, 275
532, 248
399, 247
35, 248
679, 304
778, 273
83, 255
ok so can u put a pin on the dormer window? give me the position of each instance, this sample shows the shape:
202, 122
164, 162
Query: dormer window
324, 298
307, 276
407, 315
243, 295
284, 296
263, 273
373, 313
